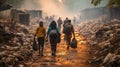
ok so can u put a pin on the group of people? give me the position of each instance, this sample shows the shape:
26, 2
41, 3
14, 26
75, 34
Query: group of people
53, 33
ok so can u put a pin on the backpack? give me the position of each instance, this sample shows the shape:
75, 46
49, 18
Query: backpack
53, 34
67, 29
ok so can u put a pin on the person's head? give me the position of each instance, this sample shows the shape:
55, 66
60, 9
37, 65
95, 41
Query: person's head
69, 21
59, 17
41, 23
53, 25
67, 18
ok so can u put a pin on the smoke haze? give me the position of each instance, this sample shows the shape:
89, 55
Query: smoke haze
61, 8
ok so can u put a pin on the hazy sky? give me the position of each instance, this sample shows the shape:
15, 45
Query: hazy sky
78, 5
60, 7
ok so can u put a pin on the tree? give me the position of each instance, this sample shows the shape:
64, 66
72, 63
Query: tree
2, 2
14, 3
4, 5
111, 3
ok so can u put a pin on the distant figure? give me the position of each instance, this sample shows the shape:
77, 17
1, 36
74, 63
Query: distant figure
65, 21
68, 30
40, 33
51, 18
46, 18
53, 33
59, 21
74, 20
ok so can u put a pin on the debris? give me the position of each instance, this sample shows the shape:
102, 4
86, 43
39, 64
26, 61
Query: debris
15, 44
104, 41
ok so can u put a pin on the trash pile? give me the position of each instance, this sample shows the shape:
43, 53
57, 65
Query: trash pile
89, 28
15, 45
104, 42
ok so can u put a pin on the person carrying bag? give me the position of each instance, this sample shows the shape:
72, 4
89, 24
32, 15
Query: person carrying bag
40, 33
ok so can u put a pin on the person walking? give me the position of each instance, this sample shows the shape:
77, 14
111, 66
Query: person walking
68, 30
65, 21
59, 21
40, 33
53, 33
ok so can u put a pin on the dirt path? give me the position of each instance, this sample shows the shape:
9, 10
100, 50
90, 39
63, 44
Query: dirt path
65, 58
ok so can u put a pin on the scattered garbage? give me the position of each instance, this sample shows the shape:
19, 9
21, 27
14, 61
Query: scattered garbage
104, 41
15, 44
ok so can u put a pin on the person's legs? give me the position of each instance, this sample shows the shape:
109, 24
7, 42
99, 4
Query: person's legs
41, 46
59, 27
68, 39
68, 43
53, 43
53, 49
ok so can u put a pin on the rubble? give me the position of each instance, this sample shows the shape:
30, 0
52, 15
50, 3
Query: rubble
88, 28
104, 41
15, 45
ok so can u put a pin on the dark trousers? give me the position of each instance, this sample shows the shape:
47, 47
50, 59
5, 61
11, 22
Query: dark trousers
68, 40
41, 45
59, 26
53, 43
53, 48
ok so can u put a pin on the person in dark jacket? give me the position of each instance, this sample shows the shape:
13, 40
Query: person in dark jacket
59, 21
68, 30
53, 39
65, 21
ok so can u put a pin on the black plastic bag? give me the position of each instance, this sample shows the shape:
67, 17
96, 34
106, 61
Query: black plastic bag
73, 43
35, 45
